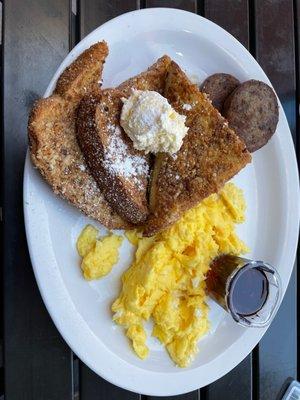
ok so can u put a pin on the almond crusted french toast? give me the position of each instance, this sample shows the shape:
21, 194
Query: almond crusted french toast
121, 171
153, 78
211, 154
52, 139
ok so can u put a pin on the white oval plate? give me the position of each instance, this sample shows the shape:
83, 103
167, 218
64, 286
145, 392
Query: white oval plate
81, 310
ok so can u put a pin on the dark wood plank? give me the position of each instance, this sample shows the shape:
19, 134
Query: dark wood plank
92, 15
195, 395
235, 20
231, 15
187, 5
297, 40
297, 140
95, 13
278, 348
95, 388
275, 51
37, 361
237, 383
276, 54
1, 225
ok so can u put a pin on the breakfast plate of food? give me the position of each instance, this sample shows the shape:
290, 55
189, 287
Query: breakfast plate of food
160, 167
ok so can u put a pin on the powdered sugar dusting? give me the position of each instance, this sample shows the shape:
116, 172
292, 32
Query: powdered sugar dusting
119, 161
187, 107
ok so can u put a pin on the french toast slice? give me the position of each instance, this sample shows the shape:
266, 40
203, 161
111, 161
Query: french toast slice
210, 155
121, 171
52, 139
152, 79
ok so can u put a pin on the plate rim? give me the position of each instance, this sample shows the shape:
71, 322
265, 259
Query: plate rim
159, 384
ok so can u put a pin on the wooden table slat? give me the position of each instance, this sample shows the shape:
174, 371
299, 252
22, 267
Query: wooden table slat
275, 51
37, 360
93, 14
195, 395
237, 383
297, 50
92, 387
278, 348
38, 364
1, 202
187, 5
274, 47
233, 16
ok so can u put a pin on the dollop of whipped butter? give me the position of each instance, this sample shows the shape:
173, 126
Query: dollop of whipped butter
151, 123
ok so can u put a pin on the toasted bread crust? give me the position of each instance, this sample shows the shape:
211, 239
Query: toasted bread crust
84, 74
120, 171
211, 154
52, 141
97, 115
151, 79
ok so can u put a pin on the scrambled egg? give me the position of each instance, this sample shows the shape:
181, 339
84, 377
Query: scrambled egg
166, 281
98, 255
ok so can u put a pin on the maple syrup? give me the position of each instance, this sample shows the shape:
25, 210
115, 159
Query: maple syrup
242, 287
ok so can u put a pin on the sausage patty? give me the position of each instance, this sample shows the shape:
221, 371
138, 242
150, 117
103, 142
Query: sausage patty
219, 87
252, 111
